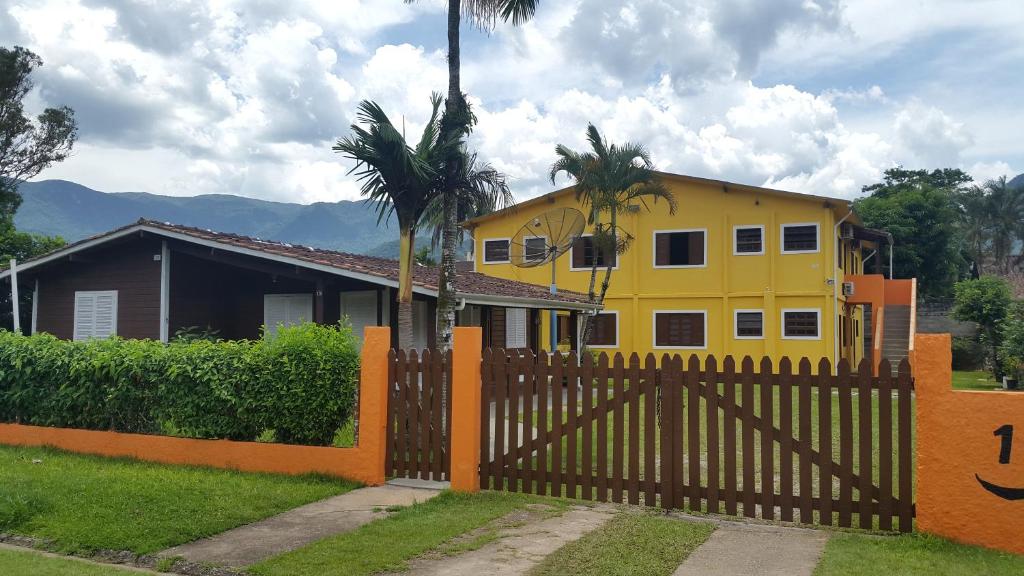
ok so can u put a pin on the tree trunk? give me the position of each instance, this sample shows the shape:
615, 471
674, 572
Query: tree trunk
405, 261
611, 263
446, 274
588, 319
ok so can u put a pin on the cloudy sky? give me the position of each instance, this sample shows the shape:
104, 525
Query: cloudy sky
247, 96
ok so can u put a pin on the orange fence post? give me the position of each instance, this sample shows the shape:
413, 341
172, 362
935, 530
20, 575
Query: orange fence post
970, 481
465, 425
373, 401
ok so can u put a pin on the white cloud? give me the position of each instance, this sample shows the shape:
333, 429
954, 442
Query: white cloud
929, 137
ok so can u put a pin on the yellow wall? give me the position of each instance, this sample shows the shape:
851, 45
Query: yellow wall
772, 281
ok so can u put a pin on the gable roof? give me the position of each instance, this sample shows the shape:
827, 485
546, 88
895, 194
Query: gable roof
474, 287
840, 204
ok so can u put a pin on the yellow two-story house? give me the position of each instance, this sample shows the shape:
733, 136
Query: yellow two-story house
737, 270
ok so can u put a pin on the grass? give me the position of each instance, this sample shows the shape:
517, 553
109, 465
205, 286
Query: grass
631, 543
88, 503
912, 555
26, 562
974, 380
388, 544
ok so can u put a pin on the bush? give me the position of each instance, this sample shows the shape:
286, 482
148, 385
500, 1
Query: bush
968, 353
300, 384
1011, 351
986, 301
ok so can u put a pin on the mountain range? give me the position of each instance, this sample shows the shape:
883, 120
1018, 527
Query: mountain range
73, 211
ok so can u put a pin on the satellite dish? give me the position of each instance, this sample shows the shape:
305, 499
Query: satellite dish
542, 240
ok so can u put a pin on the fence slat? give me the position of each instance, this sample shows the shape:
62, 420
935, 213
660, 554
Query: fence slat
543, 374
767, 445
650, 391
845, 445
426, 416
825, 381
511, 460
486, 445
903, 401
711, 422
693, 430
437, 420
667, 423
634, 429
747, 375
529, 396
415, 412
885, 445
587, 441
786, 440
557, 373
677, 421
602, 427
500, 394
618, 426
865, 441
402, 422
804, 430
446, 465
729, 433
572, 405
391, 437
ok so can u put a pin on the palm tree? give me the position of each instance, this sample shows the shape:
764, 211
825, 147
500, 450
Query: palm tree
975, 225
479, 190
484, 14
399, 179
609, 179
1006, 211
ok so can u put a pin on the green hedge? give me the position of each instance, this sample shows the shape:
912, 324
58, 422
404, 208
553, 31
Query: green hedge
297, 387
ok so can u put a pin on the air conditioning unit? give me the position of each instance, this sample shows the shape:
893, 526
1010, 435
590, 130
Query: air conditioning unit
848, 288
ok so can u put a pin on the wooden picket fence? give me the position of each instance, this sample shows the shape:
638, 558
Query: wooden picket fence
805, 446
417, 443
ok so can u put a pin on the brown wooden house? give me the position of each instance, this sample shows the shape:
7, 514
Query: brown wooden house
153, 279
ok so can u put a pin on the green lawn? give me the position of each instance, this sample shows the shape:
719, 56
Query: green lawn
633, 543
386, 545
974, 380
27, 562
912, 555
87, 503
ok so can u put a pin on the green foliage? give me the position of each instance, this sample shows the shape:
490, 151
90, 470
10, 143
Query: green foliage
1011, 349
920, 210
968, 353
985, 301
21, 245
301, 384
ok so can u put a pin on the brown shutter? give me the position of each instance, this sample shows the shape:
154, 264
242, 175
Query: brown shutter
497, 327
578, 253
661, 251
696, 245
696, 335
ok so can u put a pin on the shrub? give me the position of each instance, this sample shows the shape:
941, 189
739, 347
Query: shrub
968, 353
1011, 351
300, 384
986, 301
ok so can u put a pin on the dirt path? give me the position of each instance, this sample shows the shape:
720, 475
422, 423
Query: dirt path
295, 528
736, 549
523, 539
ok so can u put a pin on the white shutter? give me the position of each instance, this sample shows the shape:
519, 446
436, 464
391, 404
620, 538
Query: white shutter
95, 314
515, 328
286, 310
361, 309
420, 339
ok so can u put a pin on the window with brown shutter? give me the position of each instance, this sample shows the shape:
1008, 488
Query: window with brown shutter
679, 248
801, 324
799, 238
535, 249
584, 254
748, 240
496, 251
749, 324
605, 330
679, 329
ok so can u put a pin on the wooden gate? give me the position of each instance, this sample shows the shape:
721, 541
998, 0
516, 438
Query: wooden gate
419, 410
805, 446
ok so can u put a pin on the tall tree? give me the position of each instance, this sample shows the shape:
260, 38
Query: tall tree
1006, 215
609, 178
479, 190
458, 124
27, 146
919, 208
399, 179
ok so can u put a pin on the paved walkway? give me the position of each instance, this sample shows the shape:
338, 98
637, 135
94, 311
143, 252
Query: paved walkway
736, 549
298, 527
522, 545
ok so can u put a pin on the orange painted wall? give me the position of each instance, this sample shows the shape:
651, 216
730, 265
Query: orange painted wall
465, 425
364, 463
957, 449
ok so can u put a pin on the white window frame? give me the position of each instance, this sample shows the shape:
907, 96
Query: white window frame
736, 323
654, 248
616, 343
587, 268
483, 248
782, 323
654, 329
94, 293
782, 237
547, 245
735, 246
